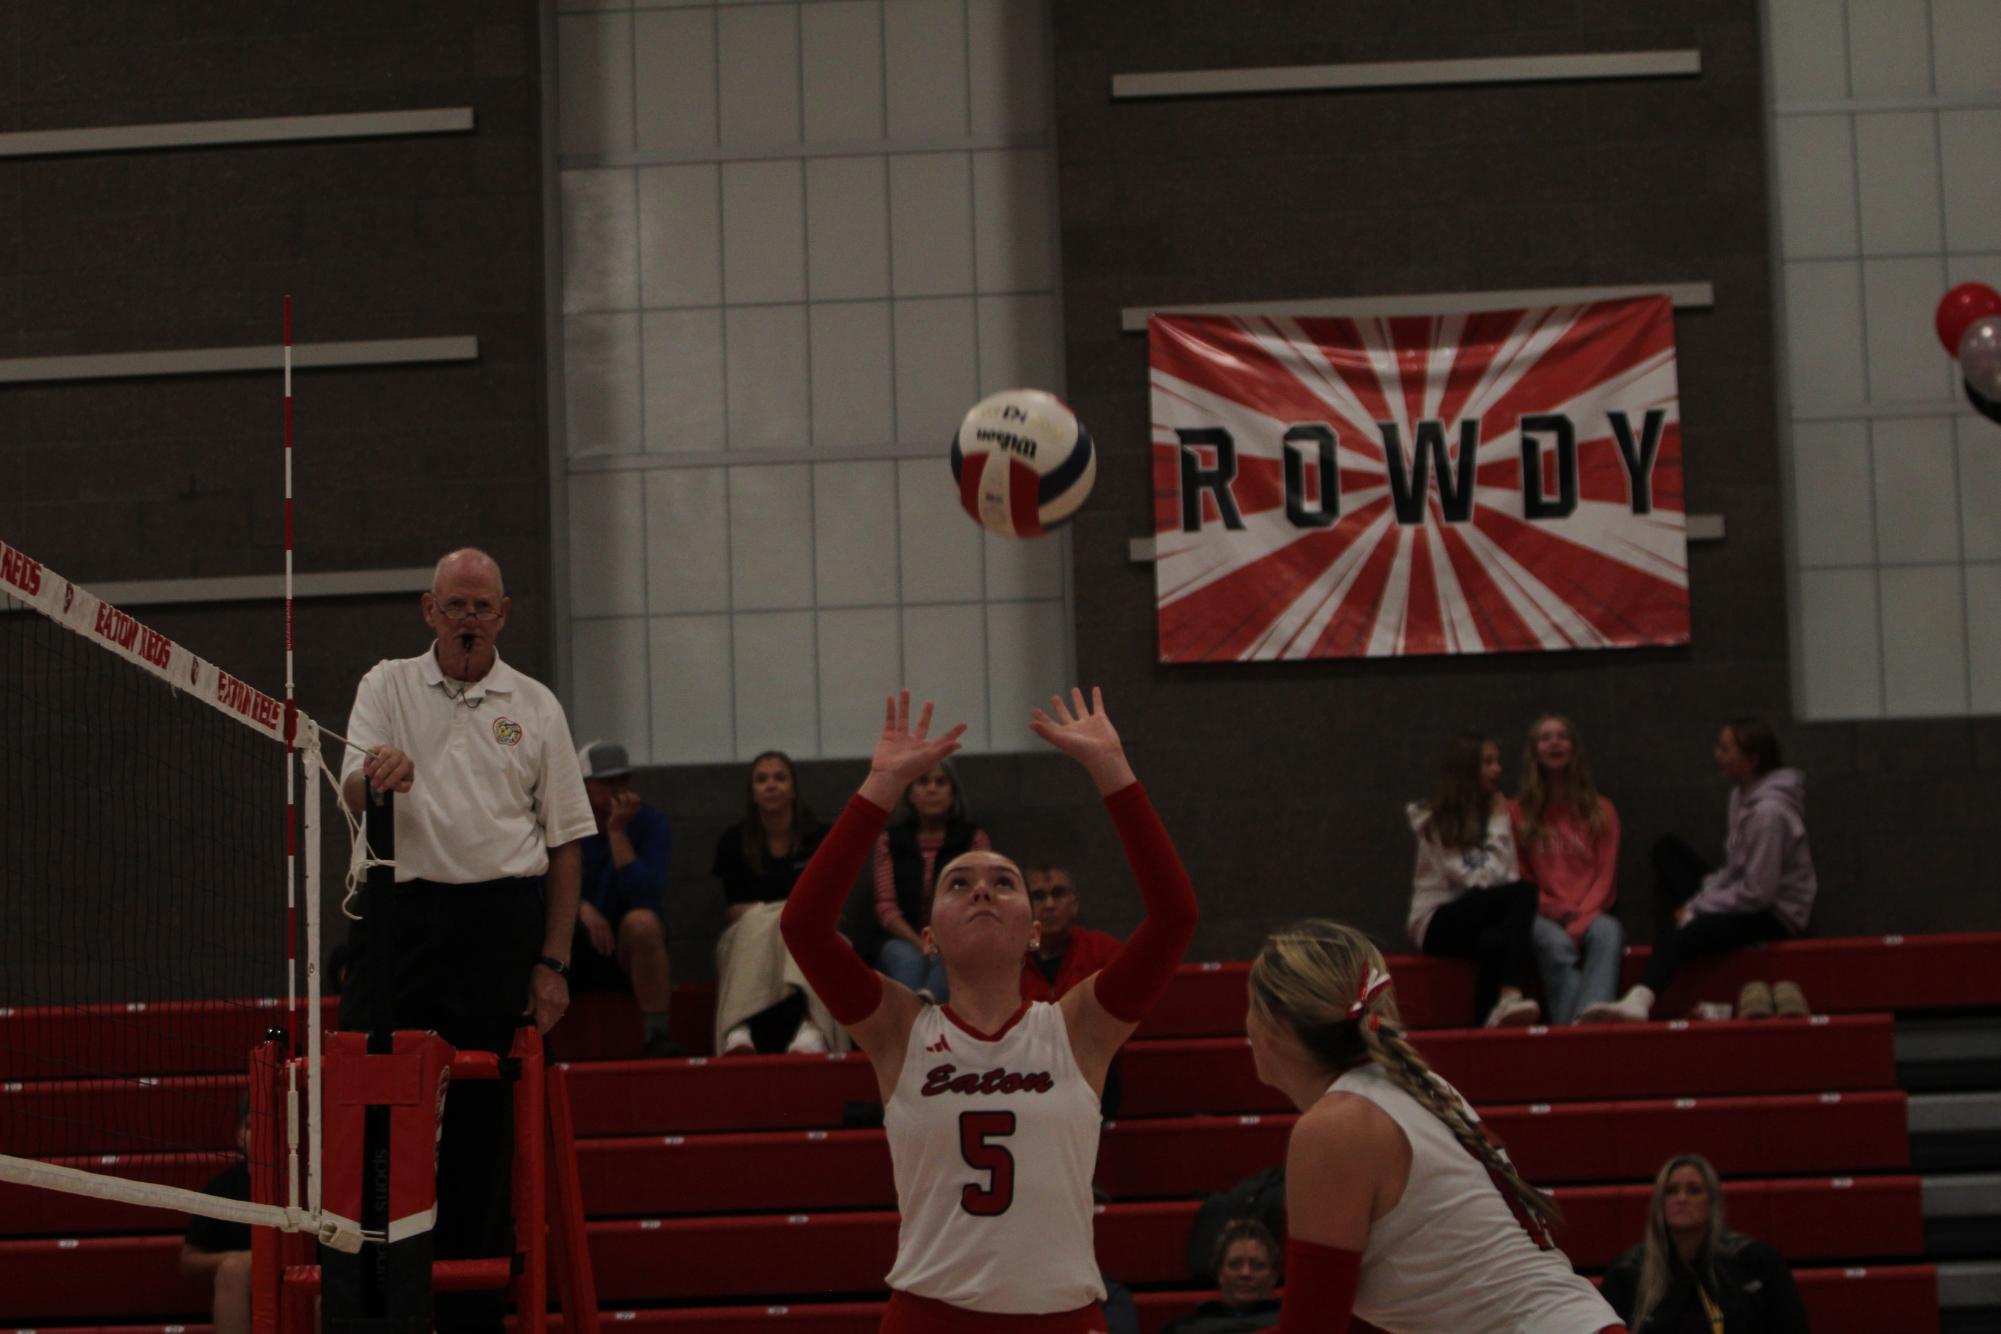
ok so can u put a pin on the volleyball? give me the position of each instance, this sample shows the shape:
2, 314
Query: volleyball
1023, 462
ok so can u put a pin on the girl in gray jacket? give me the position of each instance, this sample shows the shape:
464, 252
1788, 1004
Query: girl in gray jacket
1764, 889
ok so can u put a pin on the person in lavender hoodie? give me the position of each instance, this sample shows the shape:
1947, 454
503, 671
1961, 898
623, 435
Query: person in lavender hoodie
1765, 887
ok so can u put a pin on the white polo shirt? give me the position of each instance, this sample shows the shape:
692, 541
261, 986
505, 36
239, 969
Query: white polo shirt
496, 784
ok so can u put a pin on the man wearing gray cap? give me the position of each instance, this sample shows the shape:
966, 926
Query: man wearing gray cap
620, 936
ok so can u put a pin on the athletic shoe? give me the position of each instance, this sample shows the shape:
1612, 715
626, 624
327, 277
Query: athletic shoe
808, 1039
1634, 1008
1788, 1001
1513, 1012
1755, 1001
738, 1042
661, 1047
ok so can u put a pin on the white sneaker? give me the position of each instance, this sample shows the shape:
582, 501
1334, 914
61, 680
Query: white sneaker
808, 1039
1633, 1008
1513, 1012
737, 1042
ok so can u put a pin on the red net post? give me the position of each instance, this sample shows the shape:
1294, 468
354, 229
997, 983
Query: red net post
531, 1285
267, 1186
574, 1280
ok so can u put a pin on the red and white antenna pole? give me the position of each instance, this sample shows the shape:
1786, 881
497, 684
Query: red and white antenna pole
291, 732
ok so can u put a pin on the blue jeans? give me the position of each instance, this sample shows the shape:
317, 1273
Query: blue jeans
901, 961
1574, 977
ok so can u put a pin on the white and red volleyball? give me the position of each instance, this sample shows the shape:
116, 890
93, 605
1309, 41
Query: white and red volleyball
1023, 462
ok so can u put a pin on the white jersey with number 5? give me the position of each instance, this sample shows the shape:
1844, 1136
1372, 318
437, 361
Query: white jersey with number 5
1453, 1256
994, 1138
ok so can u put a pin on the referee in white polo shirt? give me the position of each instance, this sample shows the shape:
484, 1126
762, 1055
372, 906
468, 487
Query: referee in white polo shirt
490, 808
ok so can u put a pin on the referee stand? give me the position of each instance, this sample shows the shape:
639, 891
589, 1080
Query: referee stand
384, 1095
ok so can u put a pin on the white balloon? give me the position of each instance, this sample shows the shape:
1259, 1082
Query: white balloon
1980, 356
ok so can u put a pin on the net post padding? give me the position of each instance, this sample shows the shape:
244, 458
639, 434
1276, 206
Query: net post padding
27, 584
545, 1165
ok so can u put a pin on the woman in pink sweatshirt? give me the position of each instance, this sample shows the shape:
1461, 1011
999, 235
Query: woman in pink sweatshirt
1568, 837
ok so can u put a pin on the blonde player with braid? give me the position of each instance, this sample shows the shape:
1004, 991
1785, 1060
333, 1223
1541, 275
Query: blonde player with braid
1402, 1208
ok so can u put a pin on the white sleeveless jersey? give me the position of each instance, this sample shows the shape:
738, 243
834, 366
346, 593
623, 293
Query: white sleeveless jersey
994, 1141
1452, 1257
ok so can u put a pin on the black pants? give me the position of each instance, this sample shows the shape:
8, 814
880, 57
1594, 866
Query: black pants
455, 960
1678, 872
1495, 928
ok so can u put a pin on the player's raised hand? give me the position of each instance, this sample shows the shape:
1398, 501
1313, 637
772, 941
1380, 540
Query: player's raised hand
905, 751
1085, 733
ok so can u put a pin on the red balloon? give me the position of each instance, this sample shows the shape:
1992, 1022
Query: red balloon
1962, 306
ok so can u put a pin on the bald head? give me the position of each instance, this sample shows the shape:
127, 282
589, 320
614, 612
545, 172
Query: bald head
468, 565
466, 609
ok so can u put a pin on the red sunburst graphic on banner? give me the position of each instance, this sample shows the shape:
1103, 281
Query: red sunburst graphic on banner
1313, 497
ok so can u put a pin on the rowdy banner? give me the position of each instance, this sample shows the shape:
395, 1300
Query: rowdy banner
1486, 483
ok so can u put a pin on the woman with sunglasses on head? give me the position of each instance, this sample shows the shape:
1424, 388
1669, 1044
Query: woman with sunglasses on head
1692, 1275
975, 1087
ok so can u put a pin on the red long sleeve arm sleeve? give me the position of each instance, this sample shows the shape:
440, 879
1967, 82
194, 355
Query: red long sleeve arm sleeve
811, 920
1320, 1283
1133, 982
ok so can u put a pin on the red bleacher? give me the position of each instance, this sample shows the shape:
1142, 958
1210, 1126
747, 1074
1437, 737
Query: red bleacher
1186, 1076
1864, 1300
689, 1166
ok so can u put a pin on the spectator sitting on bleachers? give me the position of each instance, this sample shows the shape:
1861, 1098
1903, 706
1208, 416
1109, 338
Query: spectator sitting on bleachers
1468, 898
620, 939
218, 1250
1246, 1279
1066, 953
757, 860
1691, 1275
935, 829
1568, 837
1764, 890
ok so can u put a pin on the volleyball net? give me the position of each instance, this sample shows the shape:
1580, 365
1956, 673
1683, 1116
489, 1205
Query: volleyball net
149, 834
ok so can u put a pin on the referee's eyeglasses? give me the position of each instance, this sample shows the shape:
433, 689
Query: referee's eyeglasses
457, 610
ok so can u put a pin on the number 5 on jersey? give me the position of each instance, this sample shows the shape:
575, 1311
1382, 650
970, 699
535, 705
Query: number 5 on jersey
976, 1130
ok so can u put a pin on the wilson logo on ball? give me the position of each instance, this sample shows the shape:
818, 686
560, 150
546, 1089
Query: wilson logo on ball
1023, 462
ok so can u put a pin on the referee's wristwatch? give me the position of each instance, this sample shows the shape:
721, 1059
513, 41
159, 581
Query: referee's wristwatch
555, 965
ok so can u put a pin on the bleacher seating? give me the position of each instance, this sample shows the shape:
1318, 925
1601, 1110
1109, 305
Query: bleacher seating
689, 1166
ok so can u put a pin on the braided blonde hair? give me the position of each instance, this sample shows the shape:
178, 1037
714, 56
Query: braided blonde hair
1306, 979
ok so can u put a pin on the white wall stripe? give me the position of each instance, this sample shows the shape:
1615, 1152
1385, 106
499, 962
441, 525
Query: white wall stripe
251, 130
228, 360
265, 587
1686, 296
1409, 74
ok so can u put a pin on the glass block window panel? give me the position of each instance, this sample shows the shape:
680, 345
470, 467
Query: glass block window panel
1886, 123
799, 239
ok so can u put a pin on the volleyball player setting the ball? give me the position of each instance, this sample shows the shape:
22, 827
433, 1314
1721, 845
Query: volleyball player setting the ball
991, 1104
1401, 1207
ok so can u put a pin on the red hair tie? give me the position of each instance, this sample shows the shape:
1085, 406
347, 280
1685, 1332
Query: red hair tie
1373, 985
